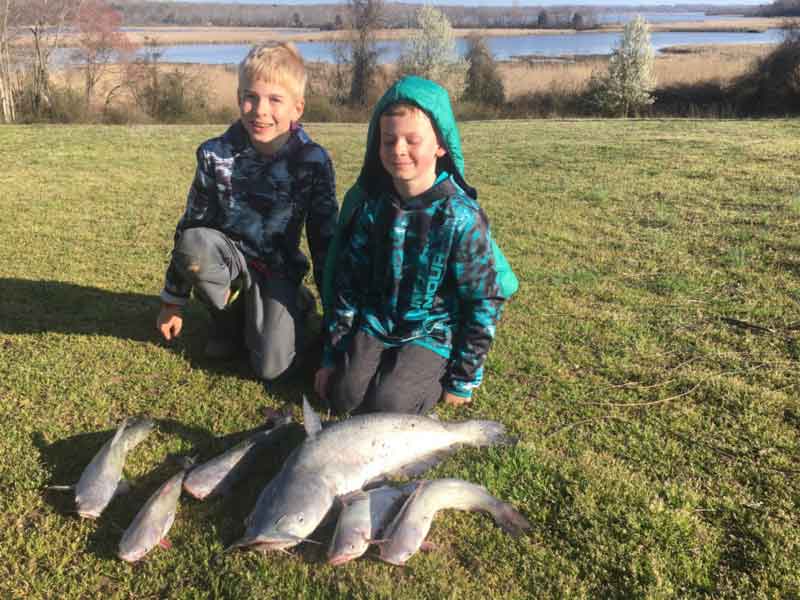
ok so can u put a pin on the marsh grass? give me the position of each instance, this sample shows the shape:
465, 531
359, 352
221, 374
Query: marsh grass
695, 76
648, 365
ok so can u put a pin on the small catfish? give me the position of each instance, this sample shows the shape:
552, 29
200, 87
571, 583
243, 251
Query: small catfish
363, 517
406, 534
217, 475
102, 479
152, 523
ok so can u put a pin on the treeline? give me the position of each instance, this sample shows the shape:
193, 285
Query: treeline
781, 8
334, 16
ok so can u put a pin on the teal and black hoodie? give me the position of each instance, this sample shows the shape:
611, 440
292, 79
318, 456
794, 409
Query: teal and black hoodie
421, 270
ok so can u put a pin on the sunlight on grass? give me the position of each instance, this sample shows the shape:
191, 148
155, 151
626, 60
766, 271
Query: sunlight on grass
648, 366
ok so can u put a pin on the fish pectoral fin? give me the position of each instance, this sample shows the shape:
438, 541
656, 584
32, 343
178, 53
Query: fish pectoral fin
378, 542
123, 487
349, 497
418, 467
428, 546
165, 543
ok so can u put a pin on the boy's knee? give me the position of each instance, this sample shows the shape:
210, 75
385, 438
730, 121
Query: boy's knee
345, 394
396, 401
271, 366
196, 243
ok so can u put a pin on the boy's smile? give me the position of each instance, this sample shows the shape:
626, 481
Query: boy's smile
408, 151
267, 112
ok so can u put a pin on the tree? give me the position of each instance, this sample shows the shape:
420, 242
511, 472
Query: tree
483, 79
366, 17
7, 62
99, 40
543, 19
430, 51
627, 87
46, 21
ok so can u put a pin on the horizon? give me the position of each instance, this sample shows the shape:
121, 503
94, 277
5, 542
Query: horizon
654, 4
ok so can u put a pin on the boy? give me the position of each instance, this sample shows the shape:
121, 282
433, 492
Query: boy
238, 242
419, 283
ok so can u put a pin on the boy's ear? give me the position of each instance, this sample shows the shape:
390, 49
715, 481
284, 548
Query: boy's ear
299, 107
440, 151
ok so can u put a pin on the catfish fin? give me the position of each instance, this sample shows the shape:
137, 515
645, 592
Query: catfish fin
165, 543
311, 420
427, 546
61, 488
351, 496
418, 467
123, 487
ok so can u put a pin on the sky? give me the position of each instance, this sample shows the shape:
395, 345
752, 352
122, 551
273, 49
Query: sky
615, 3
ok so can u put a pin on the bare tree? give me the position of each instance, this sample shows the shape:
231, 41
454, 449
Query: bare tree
46, 21
7, 61
100, 41
365, 19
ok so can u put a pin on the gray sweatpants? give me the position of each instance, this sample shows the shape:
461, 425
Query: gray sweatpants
372, 378
267, 316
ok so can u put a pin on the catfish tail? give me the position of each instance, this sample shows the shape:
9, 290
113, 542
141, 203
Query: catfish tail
482, 433
510, 519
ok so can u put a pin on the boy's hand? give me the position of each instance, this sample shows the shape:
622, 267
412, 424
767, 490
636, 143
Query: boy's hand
321, 379
169, 321
454, 400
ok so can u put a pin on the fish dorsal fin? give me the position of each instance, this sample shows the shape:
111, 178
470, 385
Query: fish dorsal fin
120, 431
311, 419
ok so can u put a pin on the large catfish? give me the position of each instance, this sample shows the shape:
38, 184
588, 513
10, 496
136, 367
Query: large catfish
345, 456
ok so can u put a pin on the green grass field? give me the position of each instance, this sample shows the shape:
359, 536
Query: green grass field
649, 365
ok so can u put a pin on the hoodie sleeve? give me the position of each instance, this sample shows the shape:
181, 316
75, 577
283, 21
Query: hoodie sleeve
480, 304
201, 206
322, 214
354, 264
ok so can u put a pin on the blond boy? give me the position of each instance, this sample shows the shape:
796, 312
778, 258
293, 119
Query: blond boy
237, 245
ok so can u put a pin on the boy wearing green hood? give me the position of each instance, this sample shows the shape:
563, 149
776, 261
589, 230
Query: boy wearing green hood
419, 283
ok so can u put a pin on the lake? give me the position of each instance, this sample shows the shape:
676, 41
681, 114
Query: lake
585, 43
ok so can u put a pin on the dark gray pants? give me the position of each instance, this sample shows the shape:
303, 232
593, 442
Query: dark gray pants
370, 378
267, 316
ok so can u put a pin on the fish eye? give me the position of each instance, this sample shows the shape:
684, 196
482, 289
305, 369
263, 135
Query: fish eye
300, 518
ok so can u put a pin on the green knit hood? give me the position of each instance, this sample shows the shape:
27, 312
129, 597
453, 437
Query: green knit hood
434, 101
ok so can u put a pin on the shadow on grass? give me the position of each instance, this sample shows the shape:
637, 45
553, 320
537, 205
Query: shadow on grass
29, 307
66, 459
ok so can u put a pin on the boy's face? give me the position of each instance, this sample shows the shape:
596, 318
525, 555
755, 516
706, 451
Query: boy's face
267, 112
408, 150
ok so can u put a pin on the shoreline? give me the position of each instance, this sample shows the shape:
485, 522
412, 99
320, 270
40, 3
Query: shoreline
178, 35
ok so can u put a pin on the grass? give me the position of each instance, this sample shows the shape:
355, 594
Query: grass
648, 365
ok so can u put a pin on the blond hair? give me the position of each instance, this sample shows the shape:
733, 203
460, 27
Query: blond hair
275, 63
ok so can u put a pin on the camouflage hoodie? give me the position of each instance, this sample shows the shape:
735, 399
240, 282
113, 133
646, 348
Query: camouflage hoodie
262, 203
420, 270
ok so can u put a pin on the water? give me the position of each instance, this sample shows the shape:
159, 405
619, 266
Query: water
580, 44
659, 17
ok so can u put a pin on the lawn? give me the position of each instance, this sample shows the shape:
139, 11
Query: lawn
648, 364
